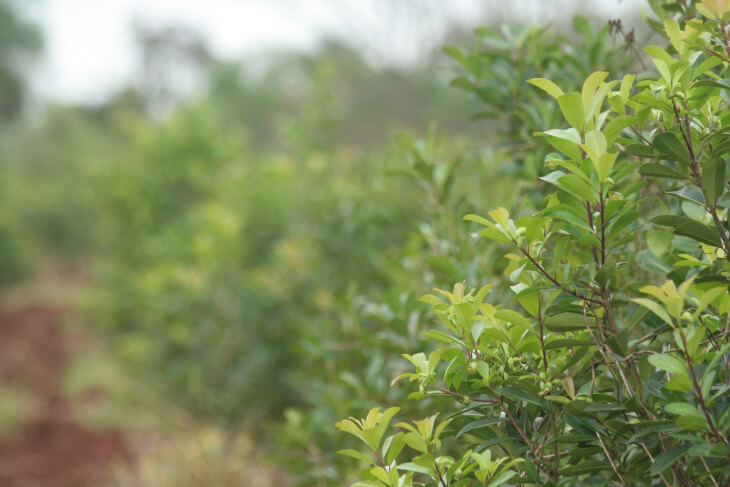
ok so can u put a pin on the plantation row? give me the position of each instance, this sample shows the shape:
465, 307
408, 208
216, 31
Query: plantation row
261, 260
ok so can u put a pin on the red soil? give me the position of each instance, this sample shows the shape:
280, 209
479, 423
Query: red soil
51, 449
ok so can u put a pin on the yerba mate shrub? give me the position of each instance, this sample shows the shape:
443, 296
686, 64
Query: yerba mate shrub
611, 366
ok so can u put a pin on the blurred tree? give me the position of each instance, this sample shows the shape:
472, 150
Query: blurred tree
19, 41
175, 62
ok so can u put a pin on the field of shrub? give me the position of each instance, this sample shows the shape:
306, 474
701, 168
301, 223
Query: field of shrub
509, 269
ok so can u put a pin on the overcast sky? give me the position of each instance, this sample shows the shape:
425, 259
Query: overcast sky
89, 48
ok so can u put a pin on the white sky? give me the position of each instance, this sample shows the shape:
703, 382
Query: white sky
89, 49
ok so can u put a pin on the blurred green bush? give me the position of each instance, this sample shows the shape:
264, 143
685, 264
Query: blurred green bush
266, 270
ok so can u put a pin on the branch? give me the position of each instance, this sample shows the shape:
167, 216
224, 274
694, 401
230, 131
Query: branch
610, 460
545, 273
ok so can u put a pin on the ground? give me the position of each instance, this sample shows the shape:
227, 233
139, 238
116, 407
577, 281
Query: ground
49, 447
70, 415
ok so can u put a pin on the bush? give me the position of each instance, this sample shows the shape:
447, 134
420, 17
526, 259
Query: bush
357, 349
14, 263
608, 367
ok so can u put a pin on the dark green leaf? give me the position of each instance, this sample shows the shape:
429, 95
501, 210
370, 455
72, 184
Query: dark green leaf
658, 170
519, 395
663, 461
693, 194
531, 472
670, 146
699, 232
640, 150
569, 322
671, 220
567, 343
713, 175
589, 466
491, 442
480, 423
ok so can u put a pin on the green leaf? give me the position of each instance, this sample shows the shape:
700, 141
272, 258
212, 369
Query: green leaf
567, 343
495, 234
663, 69
605, 164
569, 322
576, 186
480, 423
380, 474
560, 399
512, 317
519, 395
547, 86
667, 363
671, 220
588, 466
502, 478
654, 307
530, 301
674, 32
668, 144
479, 219
415, 441
571, 105
531, 472
691, 422
414, 467
443, 337
356, 454
590, 85
713, 176
493, 441
566, 141
691, 194
392, 447
682, 409
615, 126
699, 232
659, 241
709, 296
462, 83
483, 369
384, 423
640, 150
626, 85
657, 170
566, 213
663, 461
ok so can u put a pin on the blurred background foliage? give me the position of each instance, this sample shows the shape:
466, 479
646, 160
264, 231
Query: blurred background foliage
254, 253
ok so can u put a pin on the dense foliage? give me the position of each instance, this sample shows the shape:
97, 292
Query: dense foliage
256, 254
609, 364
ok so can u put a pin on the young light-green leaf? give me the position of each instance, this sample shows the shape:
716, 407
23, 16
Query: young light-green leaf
576, 186
654, 307
667, 363
571, 104
547, 86
512, 317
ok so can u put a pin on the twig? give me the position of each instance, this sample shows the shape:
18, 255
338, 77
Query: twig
610, 460
545, 273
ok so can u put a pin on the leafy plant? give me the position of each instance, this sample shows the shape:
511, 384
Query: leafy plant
610, 364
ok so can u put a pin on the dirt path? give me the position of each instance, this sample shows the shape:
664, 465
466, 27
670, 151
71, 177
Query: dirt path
50, 449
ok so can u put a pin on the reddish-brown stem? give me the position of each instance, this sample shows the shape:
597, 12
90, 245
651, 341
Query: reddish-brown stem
698, 390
